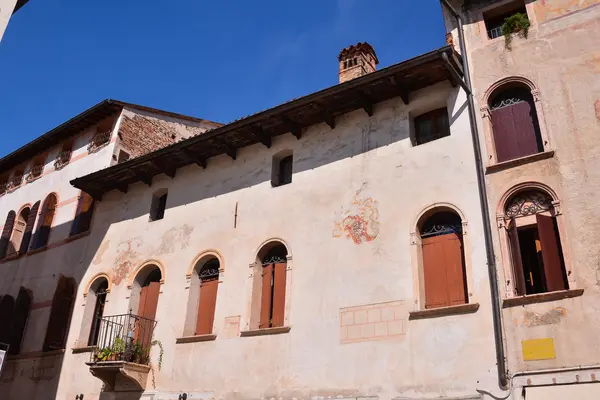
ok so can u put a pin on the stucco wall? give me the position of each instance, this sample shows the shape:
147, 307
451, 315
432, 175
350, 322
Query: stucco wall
365, 167
561, 58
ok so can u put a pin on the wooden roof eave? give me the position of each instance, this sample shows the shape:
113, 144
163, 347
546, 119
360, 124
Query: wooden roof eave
294, 116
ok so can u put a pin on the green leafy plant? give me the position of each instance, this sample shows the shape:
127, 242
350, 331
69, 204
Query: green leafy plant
517, 23
111, 353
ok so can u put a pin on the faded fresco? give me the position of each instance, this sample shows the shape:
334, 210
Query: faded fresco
549, 9
360, 221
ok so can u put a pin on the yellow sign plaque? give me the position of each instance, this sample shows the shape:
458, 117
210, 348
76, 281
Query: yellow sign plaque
538, 349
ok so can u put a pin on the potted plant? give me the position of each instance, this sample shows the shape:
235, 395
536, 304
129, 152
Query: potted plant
517, 23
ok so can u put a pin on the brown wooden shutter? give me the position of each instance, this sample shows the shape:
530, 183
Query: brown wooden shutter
265, 302
21, 316
206, 307
551, 253
455, 269
517, 262
42, 233
514, 132
7, 307
279, 294
444, 271
83, 215
434, 274
150, 301
29, 228
6, 232
60, 314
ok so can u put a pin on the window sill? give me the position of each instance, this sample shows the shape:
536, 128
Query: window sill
77, 236
12, 256
267, 331
38, 250
444, 311
194, 339
37, 354
541, 298
83, 349
501, 166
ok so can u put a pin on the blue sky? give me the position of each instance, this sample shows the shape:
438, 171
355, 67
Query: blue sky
219, 60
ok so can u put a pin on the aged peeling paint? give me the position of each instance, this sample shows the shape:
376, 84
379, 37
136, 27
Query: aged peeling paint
101, 250
597, 109
126, 258
531, 319
175, 236
549, 9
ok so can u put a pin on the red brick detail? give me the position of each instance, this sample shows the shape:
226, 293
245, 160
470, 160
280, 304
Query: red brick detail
373, 322
41, 304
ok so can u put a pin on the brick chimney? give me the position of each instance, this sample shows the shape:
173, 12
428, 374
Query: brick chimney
357, 60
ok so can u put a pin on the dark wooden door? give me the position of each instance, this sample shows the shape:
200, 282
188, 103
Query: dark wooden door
514, 131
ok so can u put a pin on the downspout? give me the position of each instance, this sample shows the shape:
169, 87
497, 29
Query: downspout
485, 211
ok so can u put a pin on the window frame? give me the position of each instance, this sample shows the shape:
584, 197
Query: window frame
432, 117
158, 205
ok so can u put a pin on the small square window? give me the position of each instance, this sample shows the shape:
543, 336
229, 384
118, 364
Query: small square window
431, 126
282, 170
494, 19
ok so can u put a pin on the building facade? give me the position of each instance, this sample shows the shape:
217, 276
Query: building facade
46, 227
538, 101
330, 247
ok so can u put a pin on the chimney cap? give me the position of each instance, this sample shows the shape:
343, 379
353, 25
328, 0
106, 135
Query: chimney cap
360, 47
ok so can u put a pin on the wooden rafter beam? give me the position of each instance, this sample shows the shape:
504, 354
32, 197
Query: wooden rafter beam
121, 187
326, 115
145, 178
166, 169
200, 161
366, 102
261, 135
401, 90
229, 150
291, 126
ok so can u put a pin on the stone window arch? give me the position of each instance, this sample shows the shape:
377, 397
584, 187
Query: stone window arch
42, 233
270, 280
204, 280
513, 121
532, 238
441, 258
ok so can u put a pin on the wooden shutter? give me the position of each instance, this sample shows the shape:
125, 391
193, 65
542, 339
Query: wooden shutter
265, 302
149, 300
21, 316
83, 215
162, 205
7, 307
444, 271
6, 232
60, 314
551, 253
517, 262
42, 233
514, 132
29, 228
286, 166
206, 307
279, 294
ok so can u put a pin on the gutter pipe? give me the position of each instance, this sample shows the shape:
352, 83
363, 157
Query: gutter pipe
485, 211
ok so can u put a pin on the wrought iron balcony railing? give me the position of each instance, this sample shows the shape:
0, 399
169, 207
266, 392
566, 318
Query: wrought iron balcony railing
125, 337
99, 140
495, 32
35, 172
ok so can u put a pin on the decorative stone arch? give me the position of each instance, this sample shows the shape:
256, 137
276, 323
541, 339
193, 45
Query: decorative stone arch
93, 281
195, 286
507, 82
552, 209
251, 319
417, 252
206, 255
142, 266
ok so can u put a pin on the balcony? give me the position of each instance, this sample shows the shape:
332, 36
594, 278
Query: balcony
63, 159
99, 140
35, 172
121, 358
14, 183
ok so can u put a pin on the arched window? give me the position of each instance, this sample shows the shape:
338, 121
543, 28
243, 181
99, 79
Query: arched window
83, 215
22, 230
60, 314
272, 304
6, 232
444, 270
7, 308
31, 217
97, 296
515, 126
208, 275
42, 233
534, 241
21, 315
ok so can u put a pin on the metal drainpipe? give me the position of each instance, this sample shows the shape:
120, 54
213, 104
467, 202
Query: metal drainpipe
485, 211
